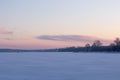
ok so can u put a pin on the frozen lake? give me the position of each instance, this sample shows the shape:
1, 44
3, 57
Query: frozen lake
59, 66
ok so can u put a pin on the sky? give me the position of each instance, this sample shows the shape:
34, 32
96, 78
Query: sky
43, 24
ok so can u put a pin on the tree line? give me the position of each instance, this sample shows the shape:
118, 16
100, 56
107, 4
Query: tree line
97, 46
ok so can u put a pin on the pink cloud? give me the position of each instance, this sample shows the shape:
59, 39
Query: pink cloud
5, 31
50, 41
72, 38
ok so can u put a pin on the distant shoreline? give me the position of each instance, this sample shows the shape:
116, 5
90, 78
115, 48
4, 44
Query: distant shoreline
68, 49
95, 47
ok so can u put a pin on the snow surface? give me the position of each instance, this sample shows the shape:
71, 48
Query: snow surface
59, 66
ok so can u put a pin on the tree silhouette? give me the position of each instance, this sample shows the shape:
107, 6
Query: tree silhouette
112, 44
97, 43
117, 42
87, 46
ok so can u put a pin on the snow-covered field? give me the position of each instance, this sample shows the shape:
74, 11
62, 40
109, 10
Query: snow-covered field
59, 66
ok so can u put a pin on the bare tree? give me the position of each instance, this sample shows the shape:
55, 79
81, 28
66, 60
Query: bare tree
117, 42
97, 43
